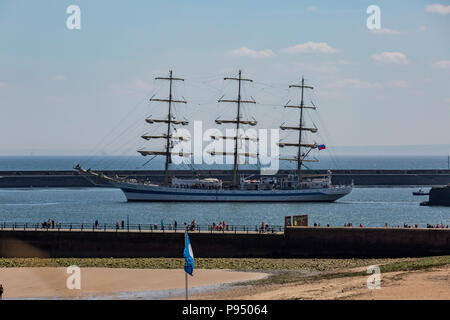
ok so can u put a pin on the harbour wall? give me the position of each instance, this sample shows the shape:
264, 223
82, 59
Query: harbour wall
61, 179
295, 242
440, 196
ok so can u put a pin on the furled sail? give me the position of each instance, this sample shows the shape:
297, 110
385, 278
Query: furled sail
313, 130
151, 121
234, 138
248, 122
246, 154
286, 144
147, 137
163, 153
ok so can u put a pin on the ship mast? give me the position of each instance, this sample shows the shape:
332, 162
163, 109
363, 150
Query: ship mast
239, 101
300, 158
170, 121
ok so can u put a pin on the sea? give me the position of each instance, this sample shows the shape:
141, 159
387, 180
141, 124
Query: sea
369, 206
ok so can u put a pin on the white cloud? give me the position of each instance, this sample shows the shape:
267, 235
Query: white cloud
53, 99
246, 52
361, 84
398, 84
386, 31
135, 87
416, 92
438, 8
311, 47
355, 83
141, 85
311, 9
344, 62
59, 78
323, 68
443, 64
391, 57
2, 84
423, 28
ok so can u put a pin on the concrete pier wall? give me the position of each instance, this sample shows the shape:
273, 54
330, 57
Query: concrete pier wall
296, 242
440, 196
26, 179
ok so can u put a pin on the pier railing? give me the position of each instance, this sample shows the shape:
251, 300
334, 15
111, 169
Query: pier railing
124, 227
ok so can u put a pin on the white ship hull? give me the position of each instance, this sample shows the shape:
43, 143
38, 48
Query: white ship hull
140, 192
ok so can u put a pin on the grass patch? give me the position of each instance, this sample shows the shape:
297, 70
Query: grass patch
418, 264
250, 264
387, 266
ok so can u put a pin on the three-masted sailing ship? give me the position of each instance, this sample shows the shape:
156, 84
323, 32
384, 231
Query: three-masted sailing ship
296, 187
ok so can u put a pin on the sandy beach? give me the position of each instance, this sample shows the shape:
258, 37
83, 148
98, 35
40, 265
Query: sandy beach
423, 278
22, 283
416, 285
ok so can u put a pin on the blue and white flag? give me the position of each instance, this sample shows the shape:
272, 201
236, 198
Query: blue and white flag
189, 257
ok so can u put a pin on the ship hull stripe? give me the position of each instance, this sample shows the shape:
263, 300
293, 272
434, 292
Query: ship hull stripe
126, 190
230, 196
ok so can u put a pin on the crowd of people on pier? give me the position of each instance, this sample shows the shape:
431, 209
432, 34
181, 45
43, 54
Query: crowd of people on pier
50, 224
386, 225
441, 226
222, 226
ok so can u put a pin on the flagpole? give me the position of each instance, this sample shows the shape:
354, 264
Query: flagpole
185, 274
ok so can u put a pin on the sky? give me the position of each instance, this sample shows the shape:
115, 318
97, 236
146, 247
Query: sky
86, 91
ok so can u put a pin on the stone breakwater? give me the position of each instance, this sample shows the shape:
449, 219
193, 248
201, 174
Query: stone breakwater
294, 242
26, 179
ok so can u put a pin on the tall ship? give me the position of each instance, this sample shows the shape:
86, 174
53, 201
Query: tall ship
296, 187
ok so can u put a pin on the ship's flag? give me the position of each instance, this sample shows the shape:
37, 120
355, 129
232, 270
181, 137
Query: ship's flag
321, 147
188, 257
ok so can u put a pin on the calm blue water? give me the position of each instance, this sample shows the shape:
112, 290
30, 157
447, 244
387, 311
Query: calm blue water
370, 206
133, 163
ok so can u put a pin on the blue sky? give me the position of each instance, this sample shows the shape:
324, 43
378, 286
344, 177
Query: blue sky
71, 91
